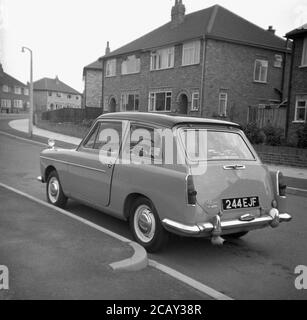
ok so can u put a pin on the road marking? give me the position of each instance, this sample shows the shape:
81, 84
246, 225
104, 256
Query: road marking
137, 261
23, 139
189, 281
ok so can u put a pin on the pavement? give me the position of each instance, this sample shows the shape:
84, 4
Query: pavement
50, 256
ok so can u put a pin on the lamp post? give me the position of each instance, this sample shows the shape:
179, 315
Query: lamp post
31, 91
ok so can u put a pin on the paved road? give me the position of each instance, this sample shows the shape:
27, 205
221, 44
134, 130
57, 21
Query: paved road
259, 267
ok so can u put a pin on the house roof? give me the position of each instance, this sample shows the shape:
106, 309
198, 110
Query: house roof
47, 84
164, 119
298, 31
9, 80
96, 65
215, 22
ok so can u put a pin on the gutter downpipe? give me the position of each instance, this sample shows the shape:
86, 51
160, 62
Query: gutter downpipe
102, 84
203, 73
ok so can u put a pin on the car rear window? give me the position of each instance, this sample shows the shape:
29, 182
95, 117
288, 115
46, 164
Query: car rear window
204, 144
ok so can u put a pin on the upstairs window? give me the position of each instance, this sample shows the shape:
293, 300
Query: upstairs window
160, 101
59, 95
26, 91
5, 88
301, 109
278, 61
162, 59
304, 53
261, 71
191, 53
111, 68
223, 97
131, 65
130, 102
17, 90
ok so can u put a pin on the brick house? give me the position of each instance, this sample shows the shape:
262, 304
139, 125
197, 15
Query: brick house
297, 115
53, 94
210, 63
92, 77
14, 95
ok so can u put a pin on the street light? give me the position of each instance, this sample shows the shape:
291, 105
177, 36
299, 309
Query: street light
31, 91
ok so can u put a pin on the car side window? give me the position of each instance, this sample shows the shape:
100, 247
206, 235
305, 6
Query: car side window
109, 136
90, 141
145, 142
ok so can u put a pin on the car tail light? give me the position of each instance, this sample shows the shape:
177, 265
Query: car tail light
281, 184
191, 192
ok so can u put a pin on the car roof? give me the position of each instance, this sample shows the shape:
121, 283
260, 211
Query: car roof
165, 120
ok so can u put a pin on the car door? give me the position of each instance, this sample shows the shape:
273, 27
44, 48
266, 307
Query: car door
90, 171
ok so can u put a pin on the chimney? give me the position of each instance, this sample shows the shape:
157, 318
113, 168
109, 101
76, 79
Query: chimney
178, 12
56, 79
271, 30
108, 50
1, 68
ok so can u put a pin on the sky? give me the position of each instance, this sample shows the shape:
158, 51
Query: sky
66, 35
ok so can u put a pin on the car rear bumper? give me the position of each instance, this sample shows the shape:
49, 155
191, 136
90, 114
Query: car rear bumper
224, 227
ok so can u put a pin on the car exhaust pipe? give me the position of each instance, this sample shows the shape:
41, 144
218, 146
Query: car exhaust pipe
216, 238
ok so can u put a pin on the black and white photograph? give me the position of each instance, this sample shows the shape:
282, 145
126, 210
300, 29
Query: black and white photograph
153, 154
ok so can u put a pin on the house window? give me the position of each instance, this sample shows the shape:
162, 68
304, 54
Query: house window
191, 53
69, 96
160, 101
5, 88
5, 103
17, 90
77, 97
301, 109
261, 71
223, 103
131, 65
304, 53
17, 103
195, 101
162, 59
111, 68
26, 91
130, 102
59, 95
278, 61
50, 94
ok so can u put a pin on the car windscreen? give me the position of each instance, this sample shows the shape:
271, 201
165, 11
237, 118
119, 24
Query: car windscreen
206, 144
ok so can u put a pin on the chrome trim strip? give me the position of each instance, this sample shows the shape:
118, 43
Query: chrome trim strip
234, 167
225, 225
74, 164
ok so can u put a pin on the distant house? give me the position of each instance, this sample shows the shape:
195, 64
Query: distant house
298, 81
92, 77
14, 95
52, 94
210, 63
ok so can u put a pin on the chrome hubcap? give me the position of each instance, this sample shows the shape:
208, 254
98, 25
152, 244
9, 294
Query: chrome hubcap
144, 223
53, 189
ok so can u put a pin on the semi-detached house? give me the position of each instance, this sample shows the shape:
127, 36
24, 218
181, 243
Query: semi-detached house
210, 63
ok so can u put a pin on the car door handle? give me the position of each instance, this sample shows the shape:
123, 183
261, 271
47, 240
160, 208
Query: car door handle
234, 167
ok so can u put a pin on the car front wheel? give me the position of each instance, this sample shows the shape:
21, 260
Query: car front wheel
146, 226
55, 194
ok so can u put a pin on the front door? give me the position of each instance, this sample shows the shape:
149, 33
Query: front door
90, 171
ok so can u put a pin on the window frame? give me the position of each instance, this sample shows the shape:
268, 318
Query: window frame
158, 56
168, 94
137, 62
193, 108
278, 61
6, 103
266, 73
17, 90
226, 104
18, 103
195, 46
304, 54
110, 62
124, 95
297, 107
5, 88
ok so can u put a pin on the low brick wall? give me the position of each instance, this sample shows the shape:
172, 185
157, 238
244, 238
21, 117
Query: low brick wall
287, 156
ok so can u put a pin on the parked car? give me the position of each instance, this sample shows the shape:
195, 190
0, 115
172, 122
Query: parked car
214, 186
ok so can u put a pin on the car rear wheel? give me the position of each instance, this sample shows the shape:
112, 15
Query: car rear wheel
237, 235
55, 194
146, 226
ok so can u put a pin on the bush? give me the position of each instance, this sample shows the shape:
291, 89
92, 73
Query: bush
302, 137
273, 136
253, 133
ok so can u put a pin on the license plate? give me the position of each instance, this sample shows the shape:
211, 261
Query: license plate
240, 203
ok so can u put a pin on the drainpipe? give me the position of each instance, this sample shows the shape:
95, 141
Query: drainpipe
289, 90
102, 85
202, 82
